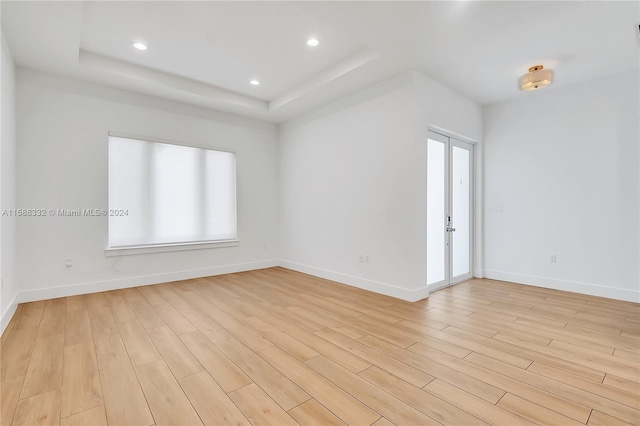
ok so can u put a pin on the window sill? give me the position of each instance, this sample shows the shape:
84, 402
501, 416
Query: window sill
128, 251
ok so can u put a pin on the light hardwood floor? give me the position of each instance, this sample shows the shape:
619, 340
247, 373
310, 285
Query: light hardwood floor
278, 347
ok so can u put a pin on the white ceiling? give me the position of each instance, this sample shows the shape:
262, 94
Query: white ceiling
205, 53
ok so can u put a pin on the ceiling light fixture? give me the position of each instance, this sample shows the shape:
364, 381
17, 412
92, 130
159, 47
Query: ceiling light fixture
313, 42
254, 82
140, 46
536, 78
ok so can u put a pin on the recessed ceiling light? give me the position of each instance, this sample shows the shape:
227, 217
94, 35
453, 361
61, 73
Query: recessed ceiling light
313, 42
140, 46
254, 82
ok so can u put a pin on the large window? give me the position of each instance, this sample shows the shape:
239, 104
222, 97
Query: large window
163, 194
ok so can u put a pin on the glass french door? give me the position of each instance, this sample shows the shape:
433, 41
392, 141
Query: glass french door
449, 211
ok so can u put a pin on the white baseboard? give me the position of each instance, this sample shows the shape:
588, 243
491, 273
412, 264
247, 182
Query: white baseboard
93, 287
572, 286
8, 314
363, 283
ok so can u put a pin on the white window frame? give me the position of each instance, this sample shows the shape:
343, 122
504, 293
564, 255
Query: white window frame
170, 247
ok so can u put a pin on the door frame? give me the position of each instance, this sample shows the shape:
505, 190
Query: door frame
451, 141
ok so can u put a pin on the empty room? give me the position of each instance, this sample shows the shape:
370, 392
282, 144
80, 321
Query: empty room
320, 213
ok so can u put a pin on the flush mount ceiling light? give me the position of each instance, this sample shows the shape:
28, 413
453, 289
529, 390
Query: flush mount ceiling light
254, 82
536, 78
140, 46
313, 42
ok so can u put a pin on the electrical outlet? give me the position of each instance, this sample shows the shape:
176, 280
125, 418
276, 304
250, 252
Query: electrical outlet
496, 209
361, 258
553, 258
68, 263
366, 258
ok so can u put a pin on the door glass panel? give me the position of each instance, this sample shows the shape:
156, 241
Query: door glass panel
460, 198
436, 184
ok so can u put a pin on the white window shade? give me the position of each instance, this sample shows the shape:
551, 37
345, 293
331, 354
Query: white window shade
169, 194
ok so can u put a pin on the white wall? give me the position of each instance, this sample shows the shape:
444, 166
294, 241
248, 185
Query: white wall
444, 109
62, 163
353, 181
9, 286
347, 179
564, 166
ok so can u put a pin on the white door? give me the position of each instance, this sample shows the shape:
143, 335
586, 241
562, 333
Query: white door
449, 211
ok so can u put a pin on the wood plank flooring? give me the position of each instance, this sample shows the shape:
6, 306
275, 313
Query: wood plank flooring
278, 347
